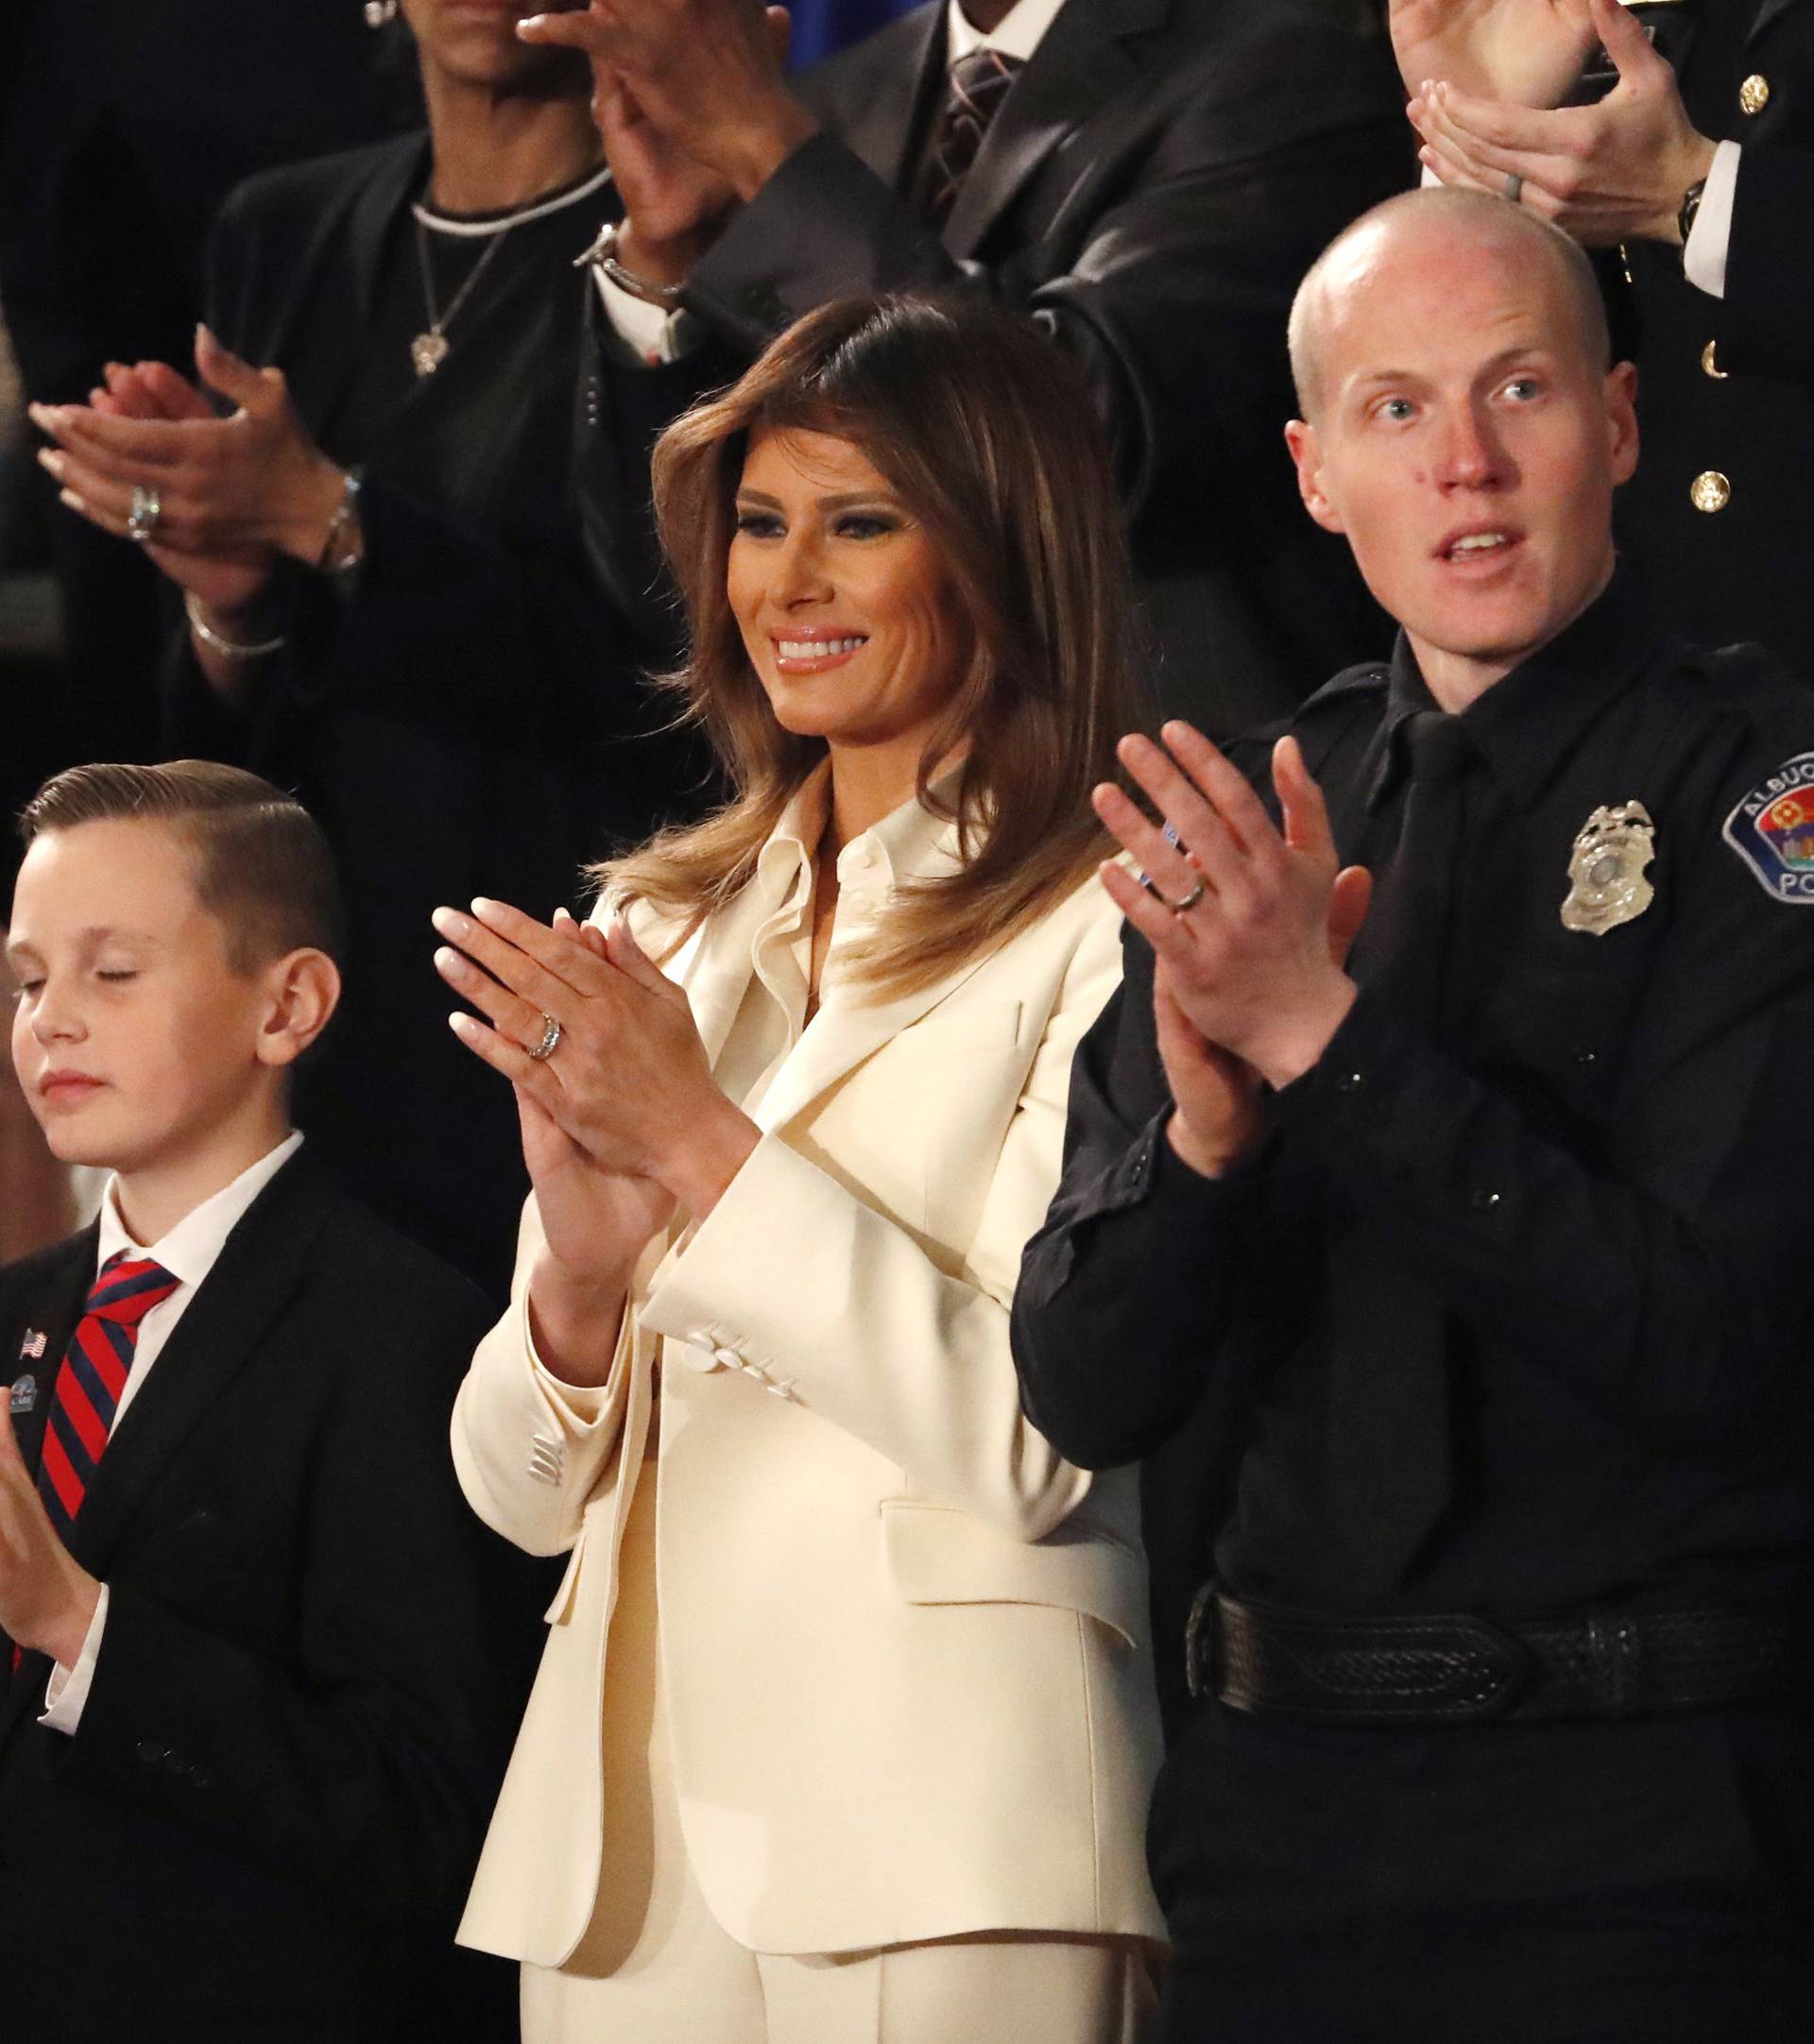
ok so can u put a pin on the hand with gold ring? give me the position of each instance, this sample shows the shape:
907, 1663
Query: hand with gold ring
1254, 971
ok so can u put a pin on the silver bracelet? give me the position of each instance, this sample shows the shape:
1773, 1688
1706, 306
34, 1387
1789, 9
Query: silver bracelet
230, 649
345, 519
603, 255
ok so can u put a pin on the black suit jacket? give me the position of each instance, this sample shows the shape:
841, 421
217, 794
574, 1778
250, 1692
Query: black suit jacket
1740, 572
314, 1656
1156, 182
469, 719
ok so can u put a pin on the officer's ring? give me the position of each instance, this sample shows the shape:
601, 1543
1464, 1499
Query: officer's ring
1177, 907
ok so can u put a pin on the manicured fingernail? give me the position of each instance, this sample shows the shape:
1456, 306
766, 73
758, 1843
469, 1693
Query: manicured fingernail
49, 458
448, 961
449, 922
74, 502
462, 1024
482, 907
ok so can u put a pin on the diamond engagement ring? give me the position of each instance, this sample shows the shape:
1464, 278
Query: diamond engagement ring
142, 521
551, 1035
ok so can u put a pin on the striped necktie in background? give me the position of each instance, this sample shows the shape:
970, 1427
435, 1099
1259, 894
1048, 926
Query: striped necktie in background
978, 85
93, 1376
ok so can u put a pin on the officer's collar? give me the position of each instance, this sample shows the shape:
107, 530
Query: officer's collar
1534, 718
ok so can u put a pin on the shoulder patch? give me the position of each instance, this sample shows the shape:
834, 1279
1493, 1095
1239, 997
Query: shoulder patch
1772, 830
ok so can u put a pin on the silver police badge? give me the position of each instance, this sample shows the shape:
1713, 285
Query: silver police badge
1606, 883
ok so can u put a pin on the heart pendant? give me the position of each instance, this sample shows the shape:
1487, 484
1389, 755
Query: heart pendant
428, 352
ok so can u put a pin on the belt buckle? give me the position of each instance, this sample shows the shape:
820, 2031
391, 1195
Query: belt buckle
1199, 1642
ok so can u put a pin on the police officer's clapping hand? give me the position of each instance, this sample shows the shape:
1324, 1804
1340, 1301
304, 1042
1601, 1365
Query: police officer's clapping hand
1250, 926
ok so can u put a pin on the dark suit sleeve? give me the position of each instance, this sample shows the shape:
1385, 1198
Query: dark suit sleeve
1769, 325
366, 1754
1173, 299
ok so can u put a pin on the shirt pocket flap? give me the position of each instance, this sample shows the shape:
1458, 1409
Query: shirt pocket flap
938, 1554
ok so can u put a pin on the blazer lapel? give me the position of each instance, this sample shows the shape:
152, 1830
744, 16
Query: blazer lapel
883, 108
264, 1260
1765, 17
1081, 64
43, 1340
847, 1030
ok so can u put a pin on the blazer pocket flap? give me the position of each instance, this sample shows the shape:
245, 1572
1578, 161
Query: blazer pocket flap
938, 1554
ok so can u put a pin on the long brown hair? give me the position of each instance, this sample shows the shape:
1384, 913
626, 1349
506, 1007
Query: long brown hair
987, 433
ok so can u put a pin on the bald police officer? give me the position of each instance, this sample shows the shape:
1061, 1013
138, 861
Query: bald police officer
1466, 1259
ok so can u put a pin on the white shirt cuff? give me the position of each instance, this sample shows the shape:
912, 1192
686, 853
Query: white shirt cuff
647, 335
1704, 260
68, 1691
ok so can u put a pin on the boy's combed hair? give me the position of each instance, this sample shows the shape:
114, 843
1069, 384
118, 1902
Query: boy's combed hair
263, 866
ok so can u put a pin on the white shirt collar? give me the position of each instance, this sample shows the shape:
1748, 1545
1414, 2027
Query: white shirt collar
910, 843
1017, 33
188, 1250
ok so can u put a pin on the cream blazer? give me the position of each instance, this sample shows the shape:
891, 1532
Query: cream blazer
903, 1645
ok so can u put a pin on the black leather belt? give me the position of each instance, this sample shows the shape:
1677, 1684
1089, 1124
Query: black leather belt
1455, 1669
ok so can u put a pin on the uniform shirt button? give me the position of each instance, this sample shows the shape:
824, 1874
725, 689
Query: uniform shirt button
1350, 1081
1753, 95
1710, 491
1586, 1058
1483, 1199
1710, 361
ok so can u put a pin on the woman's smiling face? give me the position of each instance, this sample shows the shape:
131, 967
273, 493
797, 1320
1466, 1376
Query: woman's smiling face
849, 615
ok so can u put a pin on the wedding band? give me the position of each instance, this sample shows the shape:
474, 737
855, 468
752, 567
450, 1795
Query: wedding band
1177, 907
551, 1035
1514, 187
142, 521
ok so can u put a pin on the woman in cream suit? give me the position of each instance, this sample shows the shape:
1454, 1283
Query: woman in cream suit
845, 1726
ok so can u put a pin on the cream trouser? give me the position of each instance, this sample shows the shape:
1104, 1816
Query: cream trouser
655, 1968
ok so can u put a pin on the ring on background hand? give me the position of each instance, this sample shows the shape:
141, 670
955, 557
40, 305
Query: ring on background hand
1514, 187
1197, 892
142, 521
551, 1035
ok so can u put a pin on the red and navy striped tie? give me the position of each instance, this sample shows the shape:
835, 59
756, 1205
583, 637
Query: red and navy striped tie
93, 1376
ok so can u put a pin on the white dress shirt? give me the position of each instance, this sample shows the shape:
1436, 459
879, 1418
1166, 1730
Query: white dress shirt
651, 335
188, 1252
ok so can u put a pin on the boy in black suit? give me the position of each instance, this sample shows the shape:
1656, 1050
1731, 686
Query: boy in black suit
262, 1667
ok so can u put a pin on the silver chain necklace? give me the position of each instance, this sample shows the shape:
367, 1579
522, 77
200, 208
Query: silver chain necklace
428, 350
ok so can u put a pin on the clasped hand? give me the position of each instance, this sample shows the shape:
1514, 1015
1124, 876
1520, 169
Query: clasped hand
1249, 924
47, 1598
1612, 171
232, 493
623, 1117
704, 75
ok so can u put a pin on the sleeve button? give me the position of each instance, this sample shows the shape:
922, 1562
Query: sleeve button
1483, 1199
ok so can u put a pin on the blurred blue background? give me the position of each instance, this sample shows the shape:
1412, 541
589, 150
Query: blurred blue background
821, 26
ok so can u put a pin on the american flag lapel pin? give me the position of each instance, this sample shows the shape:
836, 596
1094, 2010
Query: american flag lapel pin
31, 1350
